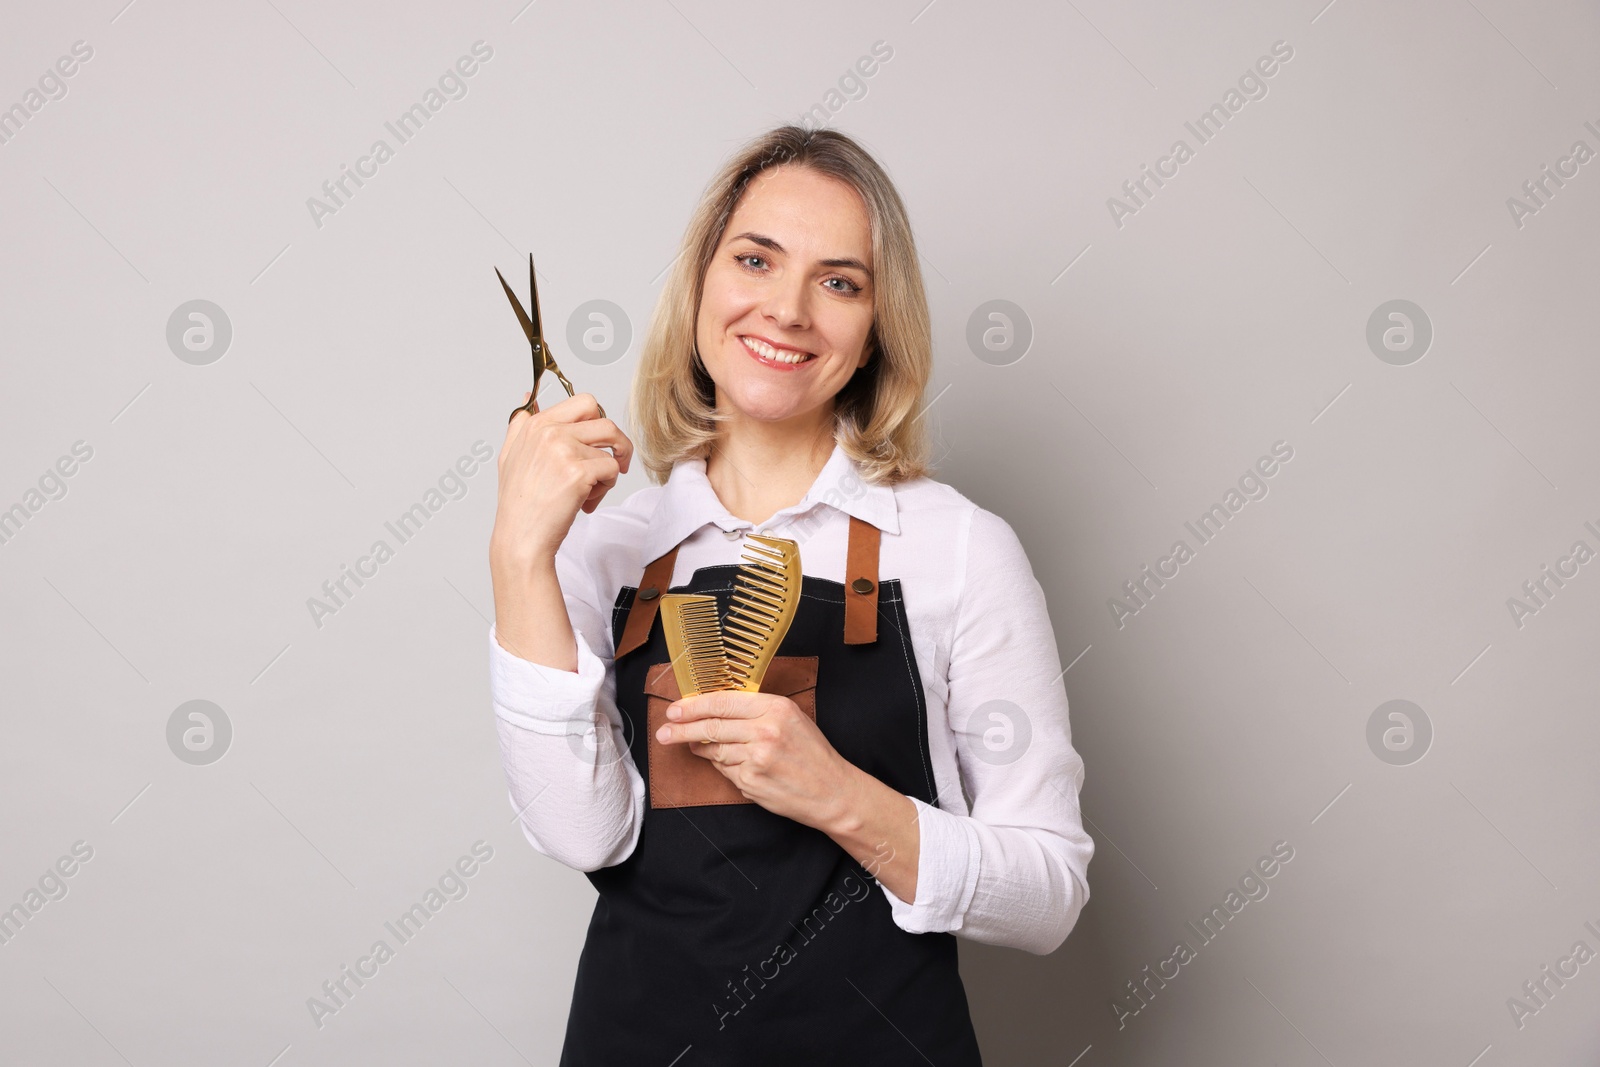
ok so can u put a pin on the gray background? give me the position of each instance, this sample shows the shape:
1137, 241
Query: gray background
1168, 354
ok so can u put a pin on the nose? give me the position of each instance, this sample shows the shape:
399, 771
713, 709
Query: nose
787, 302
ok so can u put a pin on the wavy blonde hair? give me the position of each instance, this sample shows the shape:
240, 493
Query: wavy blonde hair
672, 405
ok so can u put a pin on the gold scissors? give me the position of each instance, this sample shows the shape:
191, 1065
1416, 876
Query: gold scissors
534, 327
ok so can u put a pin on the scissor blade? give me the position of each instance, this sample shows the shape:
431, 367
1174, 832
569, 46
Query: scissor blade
516, 305
538, 321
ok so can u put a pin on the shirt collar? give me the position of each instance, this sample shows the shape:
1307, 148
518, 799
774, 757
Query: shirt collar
688, 502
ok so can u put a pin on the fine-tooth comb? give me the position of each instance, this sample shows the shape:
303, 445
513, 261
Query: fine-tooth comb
705, 655
694, 641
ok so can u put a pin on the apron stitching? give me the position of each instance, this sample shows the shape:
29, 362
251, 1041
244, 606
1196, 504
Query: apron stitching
922, 727
916, 688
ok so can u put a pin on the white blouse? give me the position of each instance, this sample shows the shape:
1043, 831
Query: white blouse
1003, 859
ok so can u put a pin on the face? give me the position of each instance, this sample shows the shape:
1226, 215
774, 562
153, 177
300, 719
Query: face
788, 296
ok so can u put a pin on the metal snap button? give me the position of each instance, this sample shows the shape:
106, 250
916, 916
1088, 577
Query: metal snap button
649, 592
862, 585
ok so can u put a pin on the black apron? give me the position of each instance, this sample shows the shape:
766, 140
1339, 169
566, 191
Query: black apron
733, 936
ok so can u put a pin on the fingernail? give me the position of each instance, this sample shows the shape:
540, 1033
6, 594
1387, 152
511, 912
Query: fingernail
663, 733
673, 711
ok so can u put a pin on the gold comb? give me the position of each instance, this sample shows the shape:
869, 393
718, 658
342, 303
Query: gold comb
766, 593
694, 641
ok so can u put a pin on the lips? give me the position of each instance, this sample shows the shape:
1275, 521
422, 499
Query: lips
782, 357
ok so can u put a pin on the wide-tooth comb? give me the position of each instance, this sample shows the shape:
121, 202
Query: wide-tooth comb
766, 594
694, 641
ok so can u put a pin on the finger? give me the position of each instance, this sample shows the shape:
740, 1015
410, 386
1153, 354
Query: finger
601, 473
513, 429
721, 731
524, 411
587, 466
597, 494
726, 755
580, 408
722, 704
603, 433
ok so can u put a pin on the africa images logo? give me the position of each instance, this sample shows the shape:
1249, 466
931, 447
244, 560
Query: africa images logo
1141, 589
452, 485
452, 85
1252, 887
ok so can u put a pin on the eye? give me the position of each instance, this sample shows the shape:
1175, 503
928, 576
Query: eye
850, 286
747, 256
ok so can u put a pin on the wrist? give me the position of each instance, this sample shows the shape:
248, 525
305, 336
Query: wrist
847, 818
519, 562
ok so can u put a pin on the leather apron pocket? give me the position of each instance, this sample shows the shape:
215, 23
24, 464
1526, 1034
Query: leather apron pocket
681, 779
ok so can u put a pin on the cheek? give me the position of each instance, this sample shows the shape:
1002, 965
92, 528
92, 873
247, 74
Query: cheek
722, 301
713, 315
847, 334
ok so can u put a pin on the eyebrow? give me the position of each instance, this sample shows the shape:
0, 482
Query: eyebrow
766, 242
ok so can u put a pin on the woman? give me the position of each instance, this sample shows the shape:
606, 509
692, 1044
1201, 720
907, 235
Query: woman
738, 840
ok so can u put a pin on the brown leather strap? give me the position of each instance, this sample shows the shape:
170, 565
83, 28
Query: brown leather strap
646, 602
860, 591
861, 584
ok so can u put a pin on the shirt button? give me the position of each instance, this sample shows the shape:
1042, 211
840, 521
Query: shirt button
732, 535
767, 532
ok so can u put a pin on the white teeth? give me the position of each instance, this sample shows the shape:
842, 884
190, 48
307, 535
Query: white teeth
766, 351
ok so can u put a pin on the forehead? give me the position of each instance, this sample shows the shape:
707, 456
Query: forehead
809, 213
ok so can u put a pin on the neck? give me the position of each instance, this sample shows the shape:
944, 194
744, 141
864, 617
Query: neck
758, 468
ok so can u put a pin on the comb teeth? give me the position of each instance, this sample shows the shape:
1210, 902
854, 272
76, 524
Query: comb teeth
766, 593
694, 641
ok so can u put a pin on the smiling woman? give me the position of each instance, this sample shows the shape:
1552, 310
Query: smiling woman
788, 356
823, 221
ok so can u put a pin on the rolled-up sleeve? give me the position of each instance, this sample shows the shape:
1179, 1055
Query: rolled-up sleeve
572, 780
1013, 872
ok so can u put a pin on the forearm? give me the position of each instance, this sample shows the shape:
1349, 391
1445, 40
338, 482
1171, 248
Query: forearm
572, 781
1030, 887
530, 611
578, 802
878, 827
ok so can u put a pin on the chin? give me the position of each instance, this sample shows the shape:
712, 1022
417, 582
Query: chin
766, 405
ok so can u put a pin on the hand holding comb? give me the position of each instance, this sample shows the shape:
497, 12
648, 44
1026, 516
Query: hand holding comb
705, 658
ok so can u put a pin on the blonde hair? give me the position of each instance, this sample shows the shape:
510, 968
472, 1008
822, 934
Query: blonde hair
672, 405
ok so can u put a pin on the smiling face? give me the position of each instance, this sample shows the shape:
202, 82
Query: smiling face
787, 303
